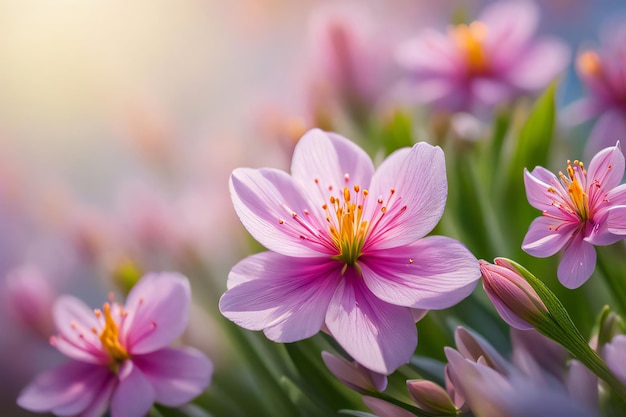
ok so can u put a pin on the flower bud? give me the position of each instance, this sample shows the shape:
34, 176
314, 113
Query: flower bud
354, 375
515, 300
431, 397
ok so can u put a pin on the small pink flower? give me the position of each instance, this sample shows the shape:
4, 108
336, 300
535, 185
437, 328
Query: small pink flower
602, 73
575, 208
480, 64
119, 355
347, 249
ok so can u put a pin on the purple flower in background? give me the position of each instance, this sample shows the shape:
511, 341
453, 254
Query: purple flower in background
575, 208
347, 249
602, 73
478, 65
119, 355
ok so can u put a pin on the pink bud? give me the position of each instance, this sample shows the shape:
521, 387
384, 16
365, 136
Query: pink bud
431, 397
354, 375
515, 300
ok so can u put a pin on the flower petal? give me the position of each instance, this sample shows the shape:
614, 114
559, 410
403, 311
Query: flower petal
577, 264
433, 273
510, 26
65, 390
610, 127
384, 409
411, 184
327, 158
353, 374
614, 354
157, 312
266, 200
541, 63
75, 321
537, 184
606, 169
378, 335
287, 297
176, 375
134, 395
100, 403
546, 236
616, 220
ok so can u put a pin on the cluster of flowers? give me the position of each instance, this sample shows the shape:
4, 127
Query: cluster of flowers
350, 254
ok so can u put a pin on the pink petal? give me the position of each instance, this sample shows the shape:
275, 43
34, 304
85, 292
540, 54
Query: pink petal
472, 346
433, 273
428, 54
510, 26
540, 64
582, 384
537, 183
418, 176
158, 312
134, 395
384, 409
353, 375
287, 297
75, 321
606, 168
614, 354
101, 401
488, 92
265, 201
577, 264
616, 220
546, 236
327, 158
378, 335
609, 128
65, 390
176, 375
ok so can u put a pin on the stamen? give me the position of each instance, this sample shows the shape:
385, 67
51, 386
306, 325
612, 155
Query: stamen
110, 337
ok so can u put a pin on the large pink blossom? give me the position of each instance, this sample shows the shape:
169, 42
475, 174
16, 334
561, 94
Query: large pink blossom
478, 65
347, 249
120, 355
575, 207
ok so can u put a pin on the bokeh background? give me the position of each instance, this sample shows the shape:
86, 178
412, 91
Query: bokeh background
121, 121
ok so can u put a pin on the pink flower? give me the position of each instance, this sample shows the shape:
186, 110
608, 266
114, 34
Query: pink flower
347, 249
119, 356
602, 73
575, 207
485, 62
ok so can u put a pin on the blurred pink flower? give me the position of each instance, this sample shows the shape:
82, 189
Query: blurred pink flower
119, 356
574, 209
478, 65
602, 73
514, 299
347, 249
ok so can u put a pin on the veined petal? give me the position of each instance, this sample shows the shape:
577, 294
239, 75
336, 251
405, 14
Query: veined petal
65, 390
287, 297
100, 403
546, 236
378, 335
537, 184
411, 183
157, 311
577, 264
433, 273
606, 168
616, 220
134, 395
176, 375
266, 201
75, 323
327, 158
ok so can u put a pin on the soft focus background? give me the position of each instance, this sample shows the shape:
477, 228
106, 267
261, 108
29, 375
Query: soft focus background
121, 121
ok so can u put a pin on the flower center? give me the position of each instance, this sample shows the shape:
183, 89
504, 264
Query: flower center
470, 38
347, 227
578, 199
110, 338
589, 64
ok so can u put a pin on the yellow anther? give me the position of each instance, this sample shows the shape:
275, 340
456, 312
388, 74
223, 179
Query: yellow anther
110, 338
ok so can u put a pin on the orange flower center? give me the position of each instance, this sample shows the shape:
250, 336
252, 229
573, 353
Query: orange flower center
110, 338
470, 38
